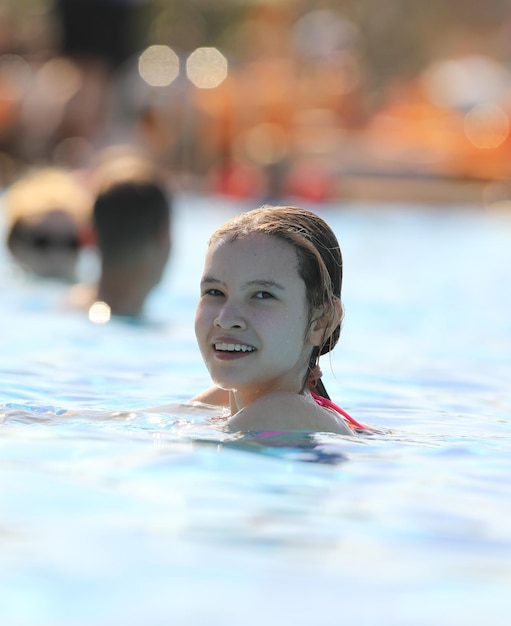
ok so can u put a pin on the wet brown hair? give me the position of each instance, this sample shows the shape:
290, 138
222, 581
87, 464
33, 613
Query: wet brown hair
318, 254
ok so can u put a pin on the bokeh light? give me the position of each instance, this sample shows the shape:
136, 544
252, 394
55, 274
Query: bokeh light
158, 66
467, 81
99, 313
59, 80
206, 68
486, 126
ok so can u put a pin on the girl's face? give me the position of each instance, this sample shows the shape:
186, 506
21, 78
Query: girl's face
252, 318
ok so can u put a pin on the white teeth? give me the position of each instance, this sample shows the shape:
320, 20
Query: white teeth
233, 347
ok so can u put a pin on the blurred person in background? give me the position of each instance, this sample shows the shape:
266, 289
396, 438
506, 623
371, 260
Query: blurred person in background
132, 219
97, 37
48, 213
59, 66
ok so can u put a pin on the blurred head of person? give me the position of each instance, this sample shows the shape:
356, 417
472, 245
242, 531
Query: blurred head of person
48, 215
132, 220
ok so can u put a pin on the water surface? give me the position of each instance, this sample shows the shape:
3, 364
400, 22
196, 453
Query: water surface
111, 514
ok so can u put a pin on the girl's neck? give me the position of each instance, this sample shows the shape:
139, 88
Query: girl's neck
238, 400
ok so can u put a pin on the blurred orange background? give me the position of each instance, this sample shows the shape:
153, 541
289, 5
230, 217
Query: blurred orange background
312, 99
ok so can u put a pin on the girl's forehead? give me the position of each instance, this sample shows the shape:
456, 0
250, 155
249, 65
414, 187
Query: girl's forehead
253, 246
252, 253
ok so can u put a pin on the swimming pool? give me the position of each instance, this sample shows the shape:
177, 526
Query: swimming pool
114, 515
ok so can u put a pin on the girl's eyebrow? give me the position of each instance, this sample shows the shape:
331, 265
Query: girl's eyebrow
211, 280
265, 283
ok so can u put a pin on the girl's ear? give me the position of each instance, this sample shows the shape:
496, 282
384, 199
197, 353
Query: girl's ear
324, 323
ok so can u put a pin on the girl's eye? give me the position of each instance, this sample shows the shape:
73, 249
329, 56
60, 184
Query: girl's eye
213, 292
263, 295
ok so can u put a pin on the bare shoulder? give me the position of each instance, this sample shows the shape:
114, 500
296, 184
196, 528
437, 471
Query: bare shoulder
284, 411
183, 408
213, 395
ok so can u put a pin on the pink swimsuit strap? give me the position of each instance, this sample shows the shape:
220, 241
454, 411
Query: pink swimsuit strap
328, 404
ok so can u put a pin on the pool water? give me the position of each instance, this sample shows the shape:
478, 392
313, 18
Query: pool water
113, 514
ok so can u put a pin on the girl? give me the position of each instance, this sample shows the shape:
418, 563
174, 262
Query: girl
269, 307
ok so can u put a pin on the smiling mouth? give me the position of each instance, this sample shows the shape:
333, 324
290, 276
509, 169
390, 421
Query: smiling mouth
233, 347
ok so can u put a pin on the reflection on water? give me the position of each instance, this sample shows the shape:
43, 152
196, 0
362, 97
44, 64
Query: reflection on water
115, 514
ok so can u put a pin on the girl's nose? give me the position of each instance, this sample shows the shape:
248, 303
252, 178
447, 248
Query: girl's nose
229, 317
